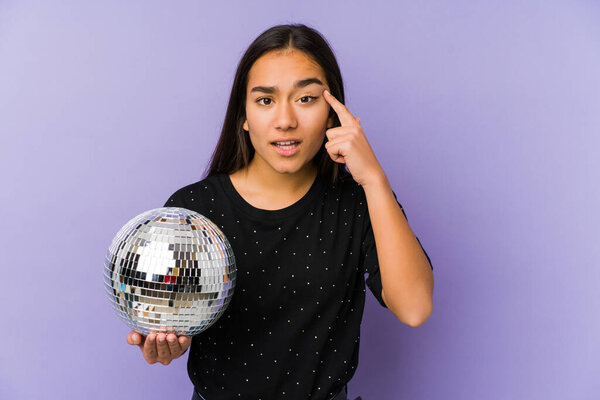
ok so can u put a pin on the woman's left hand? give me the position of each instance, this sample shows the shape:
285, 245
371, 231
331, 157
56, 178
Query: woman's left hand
347, 144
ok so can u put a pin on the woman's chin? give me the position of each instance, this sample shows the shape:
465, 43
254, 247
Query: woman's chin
292, 169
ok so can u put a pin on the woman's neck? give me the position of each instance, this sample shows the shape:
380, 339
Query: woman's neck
267, 189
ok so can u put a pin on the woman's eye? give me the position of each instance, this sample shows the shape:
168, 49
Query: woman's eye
307, 97
304, 100
264, 98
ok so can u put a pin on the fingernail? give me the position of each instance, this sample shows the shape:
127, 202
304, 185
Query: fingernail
327, 91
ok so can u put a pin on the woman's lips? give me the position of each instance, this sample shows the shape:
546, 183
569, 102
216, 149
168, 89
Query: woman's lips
286, 148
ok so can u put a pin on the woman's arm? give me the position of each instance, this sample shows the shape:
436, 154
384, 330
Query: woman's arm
406, 274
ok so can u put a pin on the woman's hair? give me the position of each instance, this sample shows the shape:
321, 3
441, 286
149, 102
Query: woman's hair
234, 149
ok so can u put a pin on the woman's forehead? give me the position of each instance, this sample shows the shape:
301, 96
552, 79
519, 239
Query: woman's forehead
281, 70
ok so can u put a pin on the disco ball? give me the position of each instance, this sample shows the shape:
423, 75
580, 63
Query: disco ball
170, 270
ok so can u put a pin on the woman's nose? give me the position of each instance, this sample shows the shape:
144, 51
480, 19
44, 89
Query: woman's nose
285, 118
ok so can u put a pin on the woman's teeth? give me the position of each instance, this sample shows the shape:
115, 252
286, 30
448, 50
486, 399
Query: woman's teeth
288, 145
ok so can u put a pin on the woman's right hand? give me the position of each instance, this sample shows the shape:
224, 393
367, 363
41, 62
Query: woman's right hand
161, 347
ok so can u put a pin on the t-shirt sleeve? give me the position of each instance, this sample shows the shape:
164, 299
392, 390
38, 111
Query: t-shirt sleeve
175, 200
371, 262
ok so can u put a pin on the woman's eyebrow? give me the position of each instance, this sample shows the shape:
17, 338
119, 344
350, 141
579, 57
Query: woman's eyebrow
298, 84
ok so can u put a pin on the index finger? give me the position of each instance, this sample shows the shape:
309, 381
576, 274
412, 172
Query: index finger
345, 116
149, 349
162, 347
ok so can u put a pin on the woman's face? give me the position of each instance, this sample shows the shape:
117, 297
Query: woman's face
286, 115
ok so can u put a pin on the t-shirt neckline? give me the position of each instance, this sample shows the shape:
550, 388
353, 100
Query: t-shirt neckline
314, 191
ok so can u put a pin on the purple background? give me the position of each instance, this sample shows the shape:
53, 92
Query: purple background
485, 117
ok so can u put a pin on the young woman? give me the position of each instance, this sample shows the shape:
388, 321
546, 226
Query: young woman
303, 229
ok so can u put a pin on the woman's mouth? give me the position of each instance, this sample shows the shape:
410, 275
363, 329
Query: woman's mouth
286, 148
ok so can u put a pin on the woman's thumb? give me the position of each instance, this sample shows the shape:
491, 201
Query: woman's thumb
134, 338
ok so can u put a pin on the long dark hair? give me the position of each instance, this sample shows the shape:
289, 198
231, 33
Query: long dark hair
234, 150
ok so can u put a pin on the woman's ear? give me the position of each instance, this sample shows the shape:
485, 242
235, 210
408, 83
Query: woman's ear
245, 125
329, 122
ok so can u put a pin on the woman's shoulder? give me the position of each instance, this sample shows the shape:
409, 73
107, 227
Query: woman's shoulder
347, 188
346, 185
345, 192
193, 191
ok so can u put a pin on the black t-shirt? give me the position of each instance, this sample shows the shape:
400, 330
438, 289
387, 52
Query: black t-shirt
292, 328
